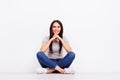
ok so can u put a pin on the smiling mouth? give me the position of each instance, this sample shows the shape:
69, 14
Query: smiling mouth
56, 32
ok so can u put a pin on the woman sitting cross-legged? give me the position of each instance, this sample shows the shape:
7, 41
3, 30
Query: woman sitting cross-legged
52, 49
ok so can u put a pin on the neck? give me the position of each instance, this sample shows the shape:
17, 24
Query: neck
56, 40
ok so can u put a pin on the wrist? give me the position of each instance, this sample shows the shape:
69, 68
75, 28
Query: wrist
51, 40
60, 38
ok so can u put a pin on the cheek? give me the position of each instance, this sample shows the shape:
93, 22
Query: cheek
53, 30
59, 30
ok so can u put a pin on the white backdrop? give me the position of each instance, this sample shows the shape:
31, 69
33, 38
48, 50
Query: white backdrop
92, 27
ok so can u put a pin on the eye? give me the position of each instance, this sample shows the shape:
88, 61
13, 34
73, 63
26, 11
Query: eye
54, 26
58, 26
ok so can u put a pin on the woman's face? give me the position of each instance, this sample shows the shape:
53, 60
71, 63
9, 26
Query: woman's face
56, 28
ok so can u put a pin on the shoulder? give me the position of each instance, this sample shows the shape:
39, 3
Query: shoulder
65, 38
46, 38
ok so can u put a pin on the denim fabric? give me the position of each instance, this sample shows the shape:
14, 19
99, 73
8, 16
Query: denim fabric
46, 62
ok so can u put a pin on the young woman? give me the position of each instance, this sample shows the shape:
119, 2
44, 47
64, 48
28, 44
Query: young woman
52, 49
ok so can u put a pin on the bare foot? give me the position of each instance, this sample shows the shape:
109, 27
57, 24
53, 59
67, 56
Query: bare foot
50, 70
62, 71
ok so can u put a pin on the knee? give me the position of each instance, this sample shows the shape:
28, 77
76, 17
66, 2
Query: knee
39, 54
71, 55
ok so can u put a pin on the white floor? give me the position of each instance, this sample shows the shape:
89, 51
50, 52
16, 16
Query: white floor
76, 76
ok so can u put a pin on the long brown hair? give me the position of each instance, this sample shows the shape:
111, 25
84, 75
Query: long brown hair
60, 34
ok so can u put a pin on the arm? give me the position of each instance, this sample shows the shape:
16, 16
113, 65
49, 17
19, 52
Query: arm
45, 45
65, 44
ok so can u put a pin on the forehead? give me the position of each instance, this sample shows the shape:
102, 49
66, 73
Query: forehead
55, 24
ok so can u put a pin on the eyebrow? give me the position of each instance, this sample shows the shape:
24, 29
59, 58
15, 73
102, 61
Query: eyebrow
56, 26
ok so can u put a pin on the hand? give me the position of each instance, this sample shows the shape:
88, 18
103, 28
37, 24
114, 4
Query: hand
56, 37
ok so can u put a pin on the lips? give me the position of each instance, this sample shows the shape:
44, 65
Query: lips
55, 31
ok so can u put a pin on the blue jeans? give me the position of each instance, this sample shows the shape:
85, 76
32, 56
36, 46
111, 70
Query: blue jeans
46, 62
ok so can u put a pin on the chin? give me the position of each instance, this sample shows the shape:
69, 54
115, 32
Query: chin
56, 33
